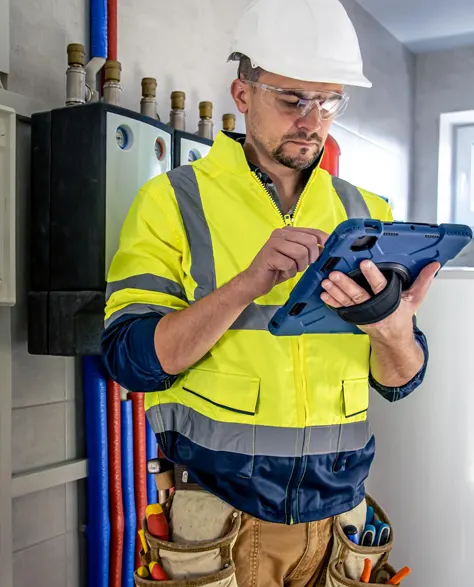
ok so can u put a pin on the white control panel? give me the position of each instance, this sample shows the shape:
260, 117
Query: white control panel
192, 150
7, 206
136, 152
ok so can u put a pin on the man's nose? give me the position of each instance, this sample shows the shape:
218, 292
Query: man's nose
311, 121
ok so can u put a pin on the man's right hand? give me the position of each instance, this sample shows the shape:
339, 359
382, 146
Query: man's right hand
288, 251
183, 338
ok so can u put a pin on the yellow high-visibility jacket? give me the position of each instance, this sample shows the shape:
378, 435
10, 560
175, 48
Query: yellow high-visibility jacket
276, 426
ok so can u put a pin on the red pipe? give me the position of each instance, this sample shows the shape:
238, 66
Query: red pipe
112, 30
139, 458
117, 522
332, 153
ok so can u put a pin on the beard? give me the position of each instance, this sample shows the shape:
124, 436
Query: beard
304, 158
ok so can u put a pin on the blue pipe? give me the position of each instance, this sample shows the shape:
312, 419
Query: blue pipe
98, 522
151, 453
128, 494
98, 12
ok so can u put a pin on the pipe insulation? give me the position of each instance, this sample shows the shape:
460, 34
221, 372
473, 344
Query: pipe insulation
98, 523
128, 492
151, 453
139, 457
115, 483
98, 12
112, 30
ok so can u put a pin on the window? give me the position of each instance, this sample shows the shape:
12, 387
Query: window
462, 205
456, 176
456, 168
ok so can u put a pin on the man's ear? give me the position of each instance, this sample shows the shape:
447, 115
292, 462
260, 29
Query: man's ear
241, 94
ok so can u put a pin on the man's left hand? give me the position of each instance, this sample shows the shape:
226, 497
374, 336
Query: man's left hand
341, 290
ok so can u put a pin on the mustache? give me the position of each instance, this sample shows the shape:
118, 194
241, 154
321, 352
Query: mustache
302, 136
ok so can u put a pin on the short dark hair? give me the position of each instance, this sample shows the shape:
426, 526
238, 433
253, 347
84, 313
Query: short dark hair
246, 70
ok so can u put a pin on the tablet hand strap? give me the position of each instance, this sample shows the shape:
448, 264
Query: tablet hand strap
379, 307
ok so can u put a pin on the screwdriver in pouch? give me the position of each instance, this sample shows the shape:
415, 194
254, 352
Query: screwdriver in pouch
141, 533
365, 577
398, 578
143, 573
157, 522
157, 572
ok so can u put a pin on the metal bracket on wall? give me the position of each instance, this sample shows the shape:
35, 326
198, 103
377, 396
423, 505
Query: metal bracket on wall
47, 477
7, 205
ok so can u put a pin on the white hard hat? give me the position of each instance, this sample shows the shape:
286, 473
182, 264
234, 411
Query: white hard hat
309, 40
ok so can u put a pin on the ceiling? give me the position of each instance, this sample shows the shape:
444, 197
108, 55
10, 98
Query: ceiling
426, 25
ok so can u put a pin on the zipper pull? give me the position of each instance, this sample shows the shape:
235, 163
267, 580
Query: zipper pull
288, 220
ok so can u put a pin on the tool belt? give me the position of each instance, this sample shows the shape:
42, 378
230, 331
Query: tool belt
182, 480
346, 564
203, 531
170, 476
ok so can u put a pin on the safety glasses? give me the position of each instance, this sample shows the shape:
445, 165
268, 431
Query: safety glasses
300, 102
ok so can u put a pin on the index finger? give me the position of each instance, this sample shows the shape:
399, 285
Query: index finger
320, 235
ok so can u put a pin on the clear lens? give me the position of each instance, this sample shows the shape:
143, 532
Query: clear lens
299, 103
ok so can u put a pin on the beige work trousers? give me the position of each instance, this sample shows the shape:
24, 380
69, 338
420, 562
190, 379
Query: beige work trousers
279, 555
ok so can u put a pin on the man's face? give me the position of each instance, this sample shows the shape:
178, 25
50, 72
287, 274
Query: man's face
277, 126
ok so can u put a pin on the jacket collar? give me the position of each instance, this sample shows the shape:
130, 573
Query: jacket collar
228, 154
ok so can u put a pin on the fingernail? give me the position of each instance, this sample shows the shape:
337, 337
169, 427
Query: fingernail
368, 264
334, 277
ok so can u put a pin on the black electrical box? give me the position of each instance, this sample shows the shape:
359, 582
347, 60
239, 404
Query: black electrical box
88, 162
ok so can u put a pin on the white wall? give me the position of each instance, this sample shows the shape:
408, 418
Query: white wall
184, 45
376, 152
444, 83
39, 34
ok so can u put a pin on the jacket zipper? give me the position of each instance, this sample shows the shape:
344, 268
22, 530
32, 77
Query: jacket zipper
288, 220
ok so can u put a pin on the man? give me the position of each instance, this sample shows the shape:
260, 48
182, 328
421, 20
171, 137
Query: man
275, 426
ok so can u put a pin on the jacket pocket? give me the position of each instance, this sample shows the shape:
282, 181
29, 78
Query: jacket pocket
356, 399
236, 393
223, 408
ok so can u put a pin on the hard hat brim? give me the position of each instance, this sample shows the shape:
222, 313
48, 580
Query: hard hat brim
321, 75
324, 73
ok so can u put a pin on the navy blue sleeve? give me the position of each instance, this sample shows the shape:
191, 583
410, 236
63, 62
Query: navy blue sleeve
393, 394
129, 355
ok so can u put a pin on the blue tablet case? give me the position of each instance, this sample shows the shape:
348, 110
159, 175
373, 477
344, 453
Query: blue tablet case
400, 246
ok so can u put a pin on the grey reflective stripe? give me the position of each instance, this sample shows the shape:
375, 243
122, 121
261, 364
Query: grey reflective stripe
351, 199
255, 317
186, 189
137, 309
353, 437
271, 441
148, 282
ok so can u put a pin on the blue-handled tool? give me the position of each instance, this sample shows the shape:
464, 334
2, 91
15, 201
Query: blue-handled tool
370, 516
382, 535
368, 536
352, 533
